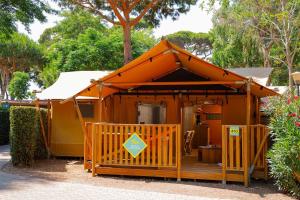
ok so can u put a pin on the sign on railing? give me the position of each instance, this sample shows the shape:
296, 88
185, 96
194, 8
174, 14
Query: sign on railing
134, 145
234, 131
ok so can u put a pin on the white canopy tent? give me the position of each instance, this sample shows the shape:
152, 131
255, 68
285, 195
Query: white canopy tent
69, 84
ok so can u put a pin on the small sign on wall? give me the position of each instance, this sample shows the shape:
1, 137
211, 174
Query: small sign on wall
234, 131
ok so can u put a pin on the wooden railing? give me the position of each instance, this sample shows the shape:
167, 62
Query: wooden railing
244, 150
258, 139
232, 153
105, 141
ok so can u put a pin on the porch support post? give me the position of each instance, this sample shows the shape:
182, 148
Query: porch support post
83, 131
224, 153
49, 117
257, 110
38, 112
100, 88
179, 137
246, 144
93, 150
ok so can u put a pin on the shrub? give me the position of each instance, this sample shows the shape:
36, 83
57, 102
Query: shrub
25, 135
284, 156
4, 127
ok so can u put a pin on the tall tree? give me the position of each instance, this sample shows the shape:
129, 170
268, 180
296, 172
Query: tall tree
94, 46
274, 24
18, 53
286, 21
246, 17
25, 12
197, 43
233, 48
128, 13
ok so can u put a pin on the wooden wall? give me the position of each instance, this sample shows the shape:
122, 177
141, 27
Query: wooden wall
123, 109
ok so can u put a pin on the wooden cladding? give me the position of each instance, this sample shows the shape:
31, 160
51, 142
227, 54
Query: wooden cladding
108, 139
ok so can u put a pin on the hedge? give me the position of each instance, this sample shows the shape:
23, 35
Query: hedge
4, 127
26, 139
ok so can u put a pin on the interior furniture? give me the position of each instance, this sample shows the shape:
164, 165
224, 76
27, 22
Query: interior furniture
210, 154
188, 139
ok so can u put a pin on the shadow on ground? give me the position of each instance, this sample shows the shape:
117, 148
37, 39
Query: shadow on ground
67, 169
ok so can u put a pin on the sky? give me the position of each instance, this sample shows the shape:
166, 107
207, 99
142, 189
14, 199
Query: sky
195, 20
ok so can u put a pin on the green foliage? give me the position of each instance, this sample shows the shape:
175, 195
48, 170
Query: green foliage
73, 24
284, 156
4, 126
233, 48
25, 12
25, 136
19, 85
233, 44
19, 53
93, 47
257, 33
196, 43
127, 14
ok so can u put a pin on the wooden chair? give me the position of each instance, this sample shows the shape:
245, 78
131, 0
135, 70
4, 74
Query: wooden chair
188, 140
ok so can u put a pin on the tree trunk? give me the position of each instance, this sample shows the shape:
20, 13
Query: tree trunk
5, 77
290, 70
127, 43
4, 83
266, 55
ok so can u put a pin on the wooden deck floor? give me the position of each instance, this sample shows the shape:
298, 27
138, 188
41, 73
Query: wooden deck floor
191, 169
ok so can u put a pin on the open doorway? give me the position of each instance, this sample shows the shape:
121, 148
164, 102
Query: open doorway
202, 129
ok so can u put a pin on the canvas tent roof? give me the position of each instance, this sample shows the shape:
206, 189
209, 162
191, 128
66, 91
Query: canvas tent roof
70, 83
260, 75
161, 60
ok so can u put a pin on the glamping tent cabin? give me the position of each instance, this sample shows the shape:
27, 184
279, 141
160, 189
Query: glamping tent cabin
65, 136
170, 114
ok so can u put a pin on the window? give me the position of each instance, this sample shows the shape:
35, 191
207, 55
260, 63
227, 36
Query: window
151, 113
87, 110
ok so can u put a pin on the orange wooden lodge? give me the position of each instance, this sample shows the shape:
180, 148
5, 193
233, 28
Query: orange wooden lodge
197, 121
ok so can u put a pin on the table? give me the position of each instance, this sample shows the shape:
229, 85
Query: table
210, 154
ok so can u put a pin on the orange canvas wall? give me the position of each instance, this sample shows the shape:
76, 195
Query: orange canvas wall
66, 131
124, 109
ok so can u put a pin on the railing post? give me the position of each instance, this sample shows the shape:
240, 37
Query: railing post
246, 155
178, 153
93, 150
224, 153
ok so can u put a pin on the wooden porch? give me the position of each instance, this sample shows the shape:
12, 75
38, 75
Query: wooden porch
243, 155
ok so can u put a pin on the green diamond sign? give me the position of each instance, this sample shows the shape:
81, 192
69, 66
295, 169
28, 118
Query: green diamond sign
134, 145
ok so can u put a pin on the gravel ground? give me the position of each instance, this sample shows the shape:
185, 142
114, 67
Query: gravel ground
65, 178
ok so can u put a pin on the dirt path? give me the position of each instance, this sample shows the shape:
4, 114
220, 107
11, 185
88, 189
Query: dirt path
66, 179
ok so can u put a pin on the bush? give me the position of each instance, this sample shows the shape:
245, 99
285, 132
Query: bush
25, 135
284, 156
4, 127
